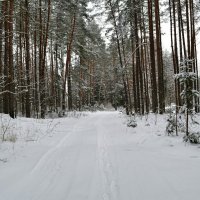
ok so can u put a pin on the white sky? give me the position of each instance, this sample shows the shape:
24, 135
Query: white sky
166, 39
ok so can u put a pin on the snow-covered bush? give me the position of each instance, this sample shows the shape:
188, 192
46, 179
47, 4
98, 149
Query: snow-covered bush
7, 129
10, 138
192, 138
171, 125
186, 78
175, 121
131, 122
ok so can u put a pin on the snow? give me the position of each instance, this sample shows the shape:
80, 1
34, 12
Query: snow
95, 156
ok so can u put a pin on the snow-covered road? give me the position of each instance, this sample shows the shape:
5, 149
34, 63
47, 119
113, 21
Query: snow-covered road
98, 158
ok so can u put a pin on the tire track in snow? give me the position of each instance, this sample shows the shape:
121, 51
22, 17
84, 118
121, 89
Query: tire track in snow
110, 185
42, 161
52, 164
53, 177
45, 174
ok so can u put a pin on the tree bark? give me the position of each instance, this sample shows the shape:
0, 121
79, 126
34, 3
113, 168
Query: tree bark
152, 58
28, 104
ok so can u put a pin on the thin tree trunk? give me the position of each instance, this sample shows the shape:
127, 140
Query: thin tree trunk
28, 106
11, 68
6, 63
1, 53
161, 95
174, 62
67, 75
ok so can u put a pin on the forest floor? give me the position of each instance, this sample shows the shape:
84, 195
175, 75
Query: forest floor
95, 156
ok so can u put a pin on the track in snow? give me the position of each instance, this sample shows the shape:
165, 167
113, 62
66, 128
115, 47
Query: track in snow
94, 159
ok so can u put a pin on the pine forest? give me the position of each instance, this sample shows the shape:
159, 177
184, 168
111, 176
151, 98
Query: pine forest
99, 99
54, 58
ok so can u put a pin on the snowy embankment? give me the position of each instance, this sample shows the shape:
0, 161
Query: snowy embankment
96, 157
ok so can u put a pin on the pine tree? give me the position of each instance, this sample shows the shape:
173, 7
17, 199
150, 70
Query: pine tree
187, 78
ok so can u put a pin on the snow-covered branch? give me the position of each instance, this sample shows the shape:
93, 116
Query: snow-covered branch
8, 91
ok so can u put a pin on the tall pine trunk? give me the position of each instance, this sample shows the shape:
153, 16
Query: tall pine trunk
28, 105
152, 59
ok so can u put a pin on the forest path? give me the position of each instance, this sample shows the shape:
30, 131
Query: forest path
94, 158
